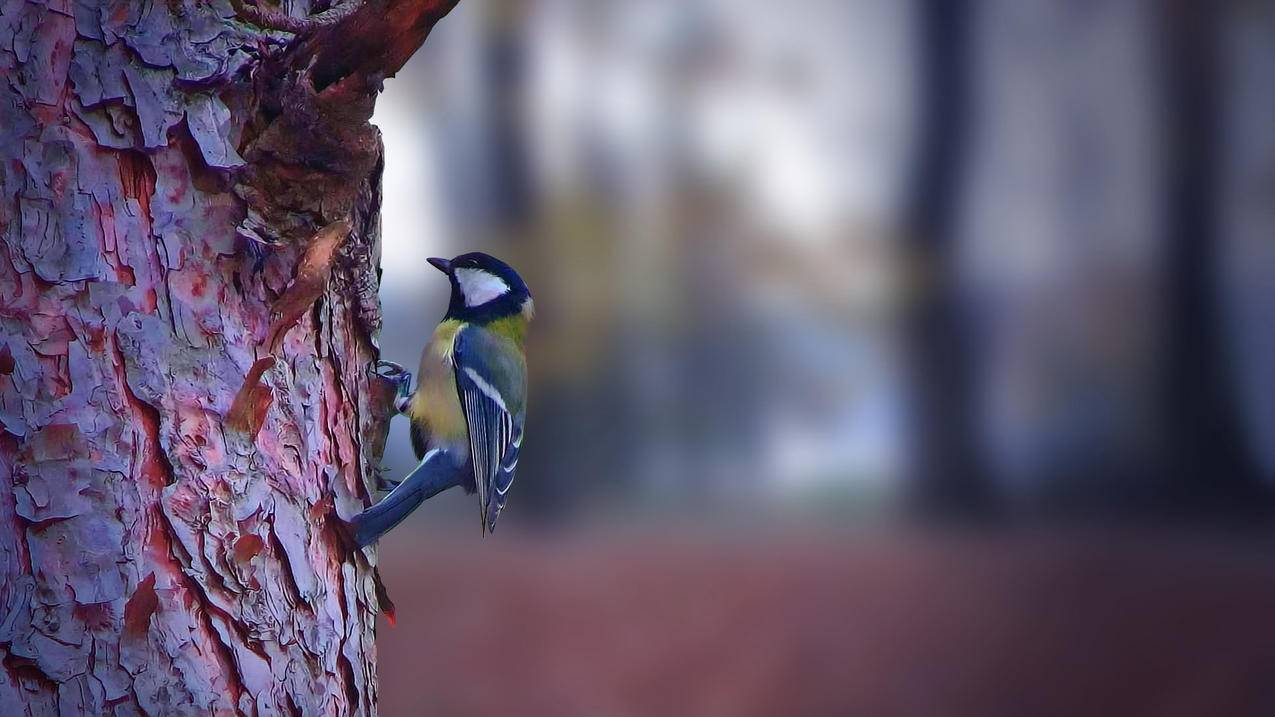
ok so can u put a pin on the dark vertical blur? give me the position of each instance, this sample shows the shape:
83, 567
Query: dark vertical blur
947, 475
819, 285
1210, 464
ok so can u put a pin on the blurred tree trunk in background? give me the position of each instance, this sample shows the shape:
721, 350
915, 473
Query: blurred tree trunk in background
1086, 240
1211, 464
946, 474
1246, 217
164, 167
504, 69
1060, 231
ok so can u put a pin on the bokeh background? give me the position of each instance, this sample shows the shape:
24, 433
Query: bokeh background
892, 357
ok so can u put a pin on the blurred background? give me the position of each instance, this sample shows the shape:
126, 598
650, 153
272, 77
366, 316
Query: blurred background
892, 357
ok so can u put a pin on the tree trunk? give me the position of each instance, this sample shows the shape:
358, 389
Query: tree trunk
948, 479
169, 543
1211, 464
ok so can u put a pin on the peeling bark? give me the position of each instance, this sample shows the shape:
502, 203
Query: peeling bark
163, 165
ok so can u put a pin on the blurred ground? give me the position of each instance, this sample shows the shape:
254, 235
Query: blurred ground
832, 623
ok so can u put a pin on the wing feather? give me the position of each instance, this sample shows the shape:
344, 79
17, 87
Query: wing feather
495, 435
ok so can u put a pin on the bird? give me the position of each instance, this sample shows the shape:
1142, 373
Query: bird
468, 408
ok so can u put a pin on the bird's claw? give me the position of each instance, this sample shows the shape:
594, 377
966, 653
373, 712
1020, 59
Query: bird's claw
402, 380
391, 371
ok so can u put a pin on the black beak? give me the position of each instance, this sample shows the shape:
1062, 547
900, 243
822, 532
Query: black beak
442, 265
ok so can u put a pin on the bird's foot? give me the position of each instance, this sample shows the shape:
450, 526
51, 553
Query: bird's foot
390, 371
401, 378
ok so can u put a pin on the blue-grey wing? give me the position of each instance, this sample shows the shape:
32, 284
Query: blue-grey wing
504, 475
491, 384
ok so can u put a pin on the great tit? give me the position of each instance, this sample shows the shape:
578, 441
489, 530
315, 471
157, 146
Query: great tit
468, 407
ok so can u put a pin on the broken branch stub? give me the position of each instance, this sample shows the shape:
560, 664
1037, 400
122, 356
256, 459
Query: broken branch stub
312, 146
373, 42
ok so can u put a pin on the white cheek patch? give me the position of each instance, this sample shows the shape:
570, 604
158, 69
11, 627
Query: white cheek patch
480, 286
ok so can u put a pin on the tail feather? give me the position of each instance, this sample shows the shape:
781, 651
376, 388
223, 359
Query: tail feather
435, 473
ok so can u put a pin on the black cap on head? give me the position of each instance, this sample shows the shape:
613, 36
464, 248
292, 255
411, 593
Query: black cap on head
468, 271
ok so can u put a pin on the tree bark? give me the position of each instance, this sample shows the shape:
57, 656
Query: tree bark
165, 167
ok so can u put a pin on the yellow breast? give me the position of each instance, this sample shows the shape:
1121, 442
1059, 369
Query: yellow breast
435, 406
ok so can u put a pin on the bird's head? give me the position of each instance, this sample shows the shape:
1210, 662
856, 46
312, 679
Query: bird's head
484, 288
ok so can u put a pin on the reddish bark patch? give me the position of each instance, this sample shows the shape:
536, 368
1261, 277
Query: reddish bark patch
6, 360
248, 411
248, 547
383, 599
137, 179
141, 605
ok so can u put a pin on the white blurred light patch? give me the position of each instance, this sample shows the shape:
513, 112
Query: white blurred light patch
412, 220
